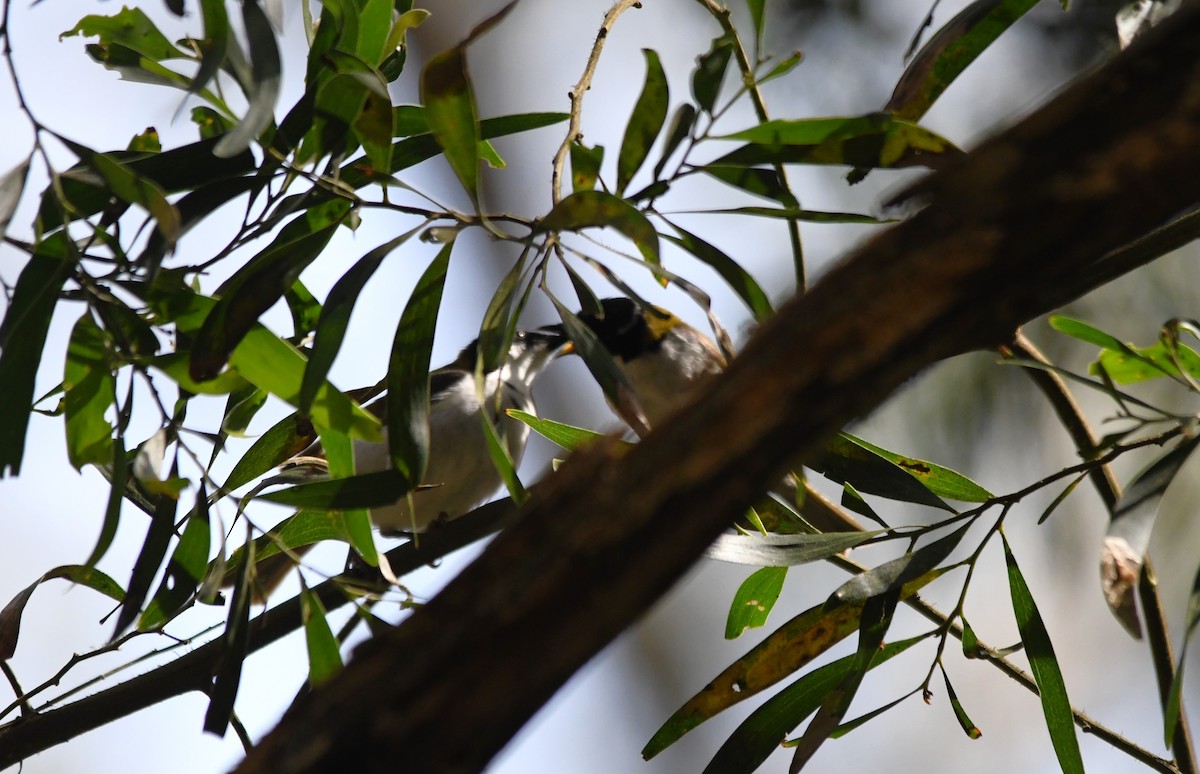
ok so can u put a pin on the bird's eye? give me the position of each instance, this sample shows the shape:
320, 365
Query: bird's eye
521, 335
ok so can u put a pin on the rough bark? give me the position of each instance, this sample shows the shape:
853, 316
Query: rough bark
1006, 236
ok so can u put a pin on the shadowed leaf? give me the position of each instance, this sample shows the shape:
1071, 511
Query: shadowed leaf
649, 113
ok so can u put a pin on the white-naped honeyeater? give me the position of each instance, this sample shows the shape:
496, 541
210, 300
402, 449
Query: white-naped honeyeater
460, 473
664, 360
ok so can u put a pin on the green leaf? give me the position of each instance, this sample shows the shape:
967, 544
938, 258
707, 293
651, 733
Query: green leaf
845, 461
129, 187
1046, 672
450, 107
1173, 705
285, 439
324, 657
680, 128
950, 51
1132, 364
150, 558
214, 47
408, 371
870, 141
754, 600
710, 72
569, 437
10, 616
585, 166
185, 569
755, 181
1078, 329
366, 490
234, 648
968, 726
740, 280
795, 213
937, 479
649, 113
130, 28
240, 408
758, 15
12, 185
22, 340
335, 317
898, 572
788, 649
265, 67
89, 384
257, 286
339, 458
749, 746
584, 209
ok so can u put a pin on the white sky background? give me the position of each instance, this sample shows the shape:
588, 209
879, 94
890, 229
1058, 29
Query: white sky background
601, 719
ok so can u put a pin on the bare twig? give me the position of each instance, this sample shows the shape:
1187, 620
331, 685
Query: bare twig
581, 88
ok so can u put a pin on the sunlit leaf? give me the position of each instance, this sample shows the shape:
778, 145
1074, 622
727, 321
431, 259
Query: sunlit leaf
408, 371
362, 491
567, 436
1060, 720
784, 550
649, 113
130, 28
324, 657
754, 600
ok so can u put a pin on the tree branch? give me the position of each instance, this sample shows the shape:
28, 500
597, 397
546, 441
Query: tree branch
1007, 235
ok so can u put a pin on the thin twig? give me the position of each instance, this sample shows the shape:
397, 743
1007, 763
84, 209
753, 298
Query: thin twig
1072, 418
581, 88
1086, 723
722, 15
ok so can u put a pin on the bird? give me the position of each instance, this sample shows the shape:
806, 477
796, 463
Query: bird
665, 360
460, 473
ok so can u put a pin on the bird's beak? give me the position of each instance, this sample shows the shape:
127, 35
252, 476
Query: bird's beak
567, 347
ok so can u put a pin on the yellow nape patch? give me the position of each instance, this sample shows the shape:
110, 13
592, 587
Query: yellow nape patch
662, 323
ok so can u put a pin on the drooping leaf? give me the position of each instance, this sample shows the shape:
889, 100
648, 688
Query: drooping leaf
12, 185
335, 317
22, 339
950, 51
1060, 720
185, 569
845, 461
257, 286
408, 371
785, 651
339, 461
680, 128
746, 287
754, 600
710, 72
214, 45
286, 438
10, 616
88, 384
759, 734
960, 713
649, 113
795, 213
265, 67
450, 106
301, 529
324, 657
150, 559
1173, 703
585, 209
304, 308
234, 648
1123, 552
